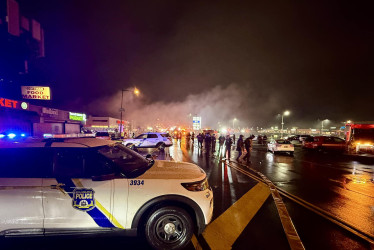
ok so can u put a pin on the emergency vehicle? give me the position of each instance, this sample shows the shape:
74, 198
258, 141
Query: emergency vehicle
69, 186
360, 136
149, 140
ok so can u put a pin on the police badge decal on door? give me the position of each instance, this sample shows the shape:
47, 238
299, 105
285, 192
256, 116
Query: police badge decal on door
83, 199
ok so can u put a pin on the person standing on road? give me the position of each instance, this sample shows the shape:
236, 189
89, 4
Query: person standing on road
207, 140
221, 140
233, 138
264, 140
188, 137
240, 146
193, 137
248, 147
213, 139
200, 140
228, 144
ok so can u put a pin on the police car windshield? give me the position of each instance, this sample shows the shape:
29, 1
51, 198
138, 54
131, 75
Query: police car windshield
129, 162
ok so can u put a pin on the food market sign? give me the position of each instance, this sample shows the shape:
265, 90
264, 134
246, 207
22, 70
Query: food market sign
36, 92
77, 116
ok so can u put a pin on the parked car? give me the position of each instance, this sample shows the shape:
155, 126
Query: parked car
325, 143
302, 138
149, 140
103, 135
294, 139
281, 145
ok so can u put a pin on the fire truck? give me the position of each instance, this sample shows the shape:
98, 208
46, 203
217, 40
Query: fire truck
360, 137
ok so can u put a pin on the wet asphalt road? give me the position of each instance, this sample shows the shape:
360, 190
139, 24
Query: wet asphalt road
339, 184
333, 182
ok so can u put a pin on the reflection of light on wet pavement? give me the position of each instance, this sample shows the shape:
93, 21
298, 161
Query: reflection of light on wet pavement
270, 158
359, 168
358, 188
362, 184
231, 186
359, 181
175, 152
354, 208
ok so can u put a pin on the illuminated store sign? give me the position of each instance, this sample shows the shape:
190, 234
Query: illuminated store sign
36, 92
77, 116
8, 103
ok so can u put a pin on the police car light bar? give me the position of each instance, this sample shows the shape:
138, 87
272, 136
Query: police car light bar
11, 135
66, 136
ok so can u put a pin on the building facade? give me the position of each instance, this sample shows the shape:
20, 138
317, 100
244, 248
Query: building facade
21, 46
33, 120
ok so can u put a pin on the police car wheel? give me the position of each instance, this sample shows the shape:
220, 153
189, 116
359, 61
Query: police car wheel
169, 228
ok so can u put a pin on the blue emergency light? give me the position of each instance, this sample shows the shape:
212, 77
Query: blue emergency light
11, 135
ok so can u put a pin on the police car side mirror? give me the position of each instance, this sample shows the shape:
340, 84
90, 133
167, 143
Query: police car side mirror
149, 157
106, 177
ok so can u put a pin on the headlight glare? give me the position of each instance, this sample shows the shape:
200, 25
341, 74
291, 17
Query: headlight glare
197, 186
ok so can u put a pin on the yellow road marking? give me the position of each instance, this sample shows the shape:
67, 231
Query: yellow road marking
223, 231
289, 228
195, 243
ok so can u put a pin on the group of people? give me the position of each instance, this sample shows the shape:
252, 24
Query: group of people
244, 145
209, 140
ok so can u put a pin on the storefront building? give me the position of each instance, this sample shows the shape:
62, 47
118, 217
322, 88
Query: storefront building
19, 116
106, 124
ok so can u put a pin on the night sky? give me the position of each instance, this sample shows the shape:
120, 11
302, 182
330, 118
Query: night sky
314, 58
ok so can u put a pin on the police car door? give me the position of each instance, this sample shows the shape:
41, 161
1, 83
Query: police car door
152, 140
74, 198
141, 140
21, 172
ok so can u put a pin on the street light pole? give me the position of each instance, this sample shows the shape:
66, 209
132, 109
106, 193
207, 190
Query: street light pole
136, 92
233, 124
121, 110
282, 127
285, 113
322, 125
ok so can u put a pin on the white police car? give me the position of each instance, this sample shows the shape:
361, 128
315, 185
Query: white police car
89, 186
149, 140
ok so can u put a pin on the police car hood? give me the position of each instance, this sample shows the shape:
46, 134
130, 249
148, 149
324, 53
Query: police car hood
174, 170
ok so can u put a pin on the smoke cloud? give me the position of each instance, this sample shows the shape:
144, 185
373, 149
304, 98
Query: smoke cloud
217, 107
